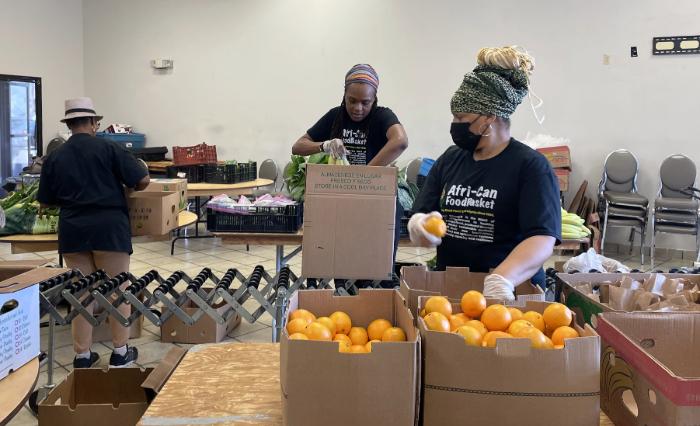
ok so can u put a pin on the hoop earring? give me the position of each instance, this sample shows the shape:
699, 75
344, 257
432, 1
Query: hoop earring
489, 134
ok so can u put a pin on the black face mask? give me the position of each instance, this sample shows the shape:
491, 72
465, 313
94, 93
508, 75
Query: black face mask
463, 137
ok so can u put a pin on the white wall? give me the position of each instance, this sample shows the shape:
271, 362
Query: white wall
251, 76
44, 38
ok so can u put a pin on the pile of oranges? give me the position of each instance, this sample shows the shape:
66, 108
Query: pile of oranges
482, 326
337, 327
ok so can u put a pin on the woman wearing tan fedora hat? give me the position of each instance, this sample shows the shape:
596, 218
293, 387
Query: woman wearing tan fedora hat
86, 177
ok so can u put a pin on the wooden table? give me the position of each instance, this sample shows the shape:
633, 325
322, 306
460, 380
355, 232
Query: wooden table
226, 384
222, 384
16, 388
212, 189
278, 240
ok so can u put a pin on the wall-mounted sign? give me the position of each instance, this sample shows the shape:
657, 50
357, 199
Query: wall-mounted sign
677, 45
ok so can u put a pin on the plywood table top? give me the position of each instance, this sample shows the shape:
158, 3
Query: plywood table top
15, 389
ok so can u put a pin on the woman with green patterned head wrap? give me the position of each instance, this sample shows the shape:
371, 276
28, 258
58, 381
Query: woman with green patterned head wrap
498, 197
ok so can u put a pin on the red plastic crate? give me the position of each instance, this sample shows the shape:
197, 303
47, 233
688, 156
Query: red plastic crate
191, 155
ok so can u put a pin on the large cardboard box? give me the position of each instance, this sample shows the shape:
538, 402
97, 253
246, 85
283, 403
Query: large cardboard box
511, 384
170, 185
205, 330
417, 281
349, 214
12, 268
19, 318
558, 156
650, 373
109, 397
377, 388
563, 178
587, 308
153, 213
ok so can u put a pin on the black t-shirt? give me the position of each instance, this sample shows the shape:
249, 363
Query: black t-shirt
363, 139
490, 206
85, 177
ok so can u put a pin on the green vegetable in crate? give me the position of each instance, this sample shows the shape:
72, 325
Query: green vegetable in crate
295, 173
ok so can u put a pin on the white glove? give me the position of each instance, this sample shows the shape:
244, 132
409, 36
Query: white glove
335, 148
417, 232
498, 287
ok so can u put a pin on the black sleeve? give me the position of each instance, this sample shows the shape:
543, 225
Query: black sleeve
46, 193
428, 199
126, 167
539, 205
387, 118
321, 131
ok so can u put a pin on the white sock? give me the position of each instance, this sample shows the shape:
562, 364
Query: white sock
83, 355
121, 351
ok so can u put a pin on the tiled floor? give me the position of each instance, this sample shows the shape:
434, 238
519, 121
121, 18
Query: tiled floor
190, 257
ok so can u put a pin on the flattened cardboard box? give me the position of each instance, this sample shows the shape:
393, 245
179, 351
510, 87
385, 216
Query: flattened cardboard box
511, 384
205, 330
153, 213
109, 397
379, 388
418, 281
170, 185
349, 214
650, 373
12, 268
585, 307
19, 318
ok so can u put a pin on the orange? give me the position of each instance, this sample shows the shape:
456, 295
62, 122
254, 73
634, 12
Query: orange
436, 226
297, 325
376, 328
490, 338
558, 346
368, 346
439, 304
517, 325
481, 328
358, 336
473, 303
515, 313
534, 318
330, 325
562, 333
437, 322
537, 338
342, 322
298, 336
393, 334
472, 336
422, 313
302, 313
458, 320
548, 343
318, 331
557, 315
342, 338
496, 318
358, 349
344, 347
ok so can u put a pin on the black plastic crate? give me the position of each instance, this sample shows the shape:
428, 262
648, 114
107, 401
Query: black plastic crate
287, 219
219, 173
403, 229
194, 174
247, 172
150, 154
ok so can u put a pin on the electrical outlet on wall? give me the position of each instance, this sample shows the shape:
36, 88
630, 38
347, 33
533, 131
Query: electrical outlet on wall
633, 51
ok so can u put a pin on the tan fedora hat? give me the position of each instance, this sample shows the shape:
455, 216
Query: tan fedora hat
80, 107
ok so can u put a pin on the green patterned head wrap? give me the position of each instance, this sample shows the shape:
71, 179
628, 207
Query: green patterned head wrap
491, 90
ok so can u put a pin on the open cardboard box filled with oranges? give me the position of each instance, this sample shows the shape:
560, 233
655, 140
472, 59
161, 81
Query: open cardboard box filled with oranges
375, 375
482, 366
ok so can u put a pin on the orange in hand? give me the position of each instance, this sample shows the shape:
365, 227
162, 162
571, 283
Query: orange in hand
436, 226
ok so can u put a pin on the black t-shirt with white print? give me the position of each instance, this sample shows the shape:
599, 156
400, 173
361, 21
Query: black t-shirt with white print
490, 206
362, 147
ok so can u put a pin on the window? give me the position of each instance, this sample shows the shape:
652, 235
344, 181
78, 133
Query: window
20, 123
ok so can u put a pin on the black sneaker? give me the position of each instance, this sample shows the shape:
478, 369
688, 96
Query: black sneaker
119, 361
86, 362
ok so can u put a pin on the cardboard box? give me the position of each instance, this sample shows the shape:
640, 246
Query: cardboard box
418, 281
586, 308
558, 156
563, 178
19, 318
153, 213
109, 397
205, 330
378, 388
511, 383
102, 333
650, 373
12, 268
349, 214
170, 185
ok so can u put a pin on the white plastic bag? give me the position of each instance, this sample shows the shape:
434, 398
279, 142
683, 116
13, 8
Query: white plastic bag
591, 260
